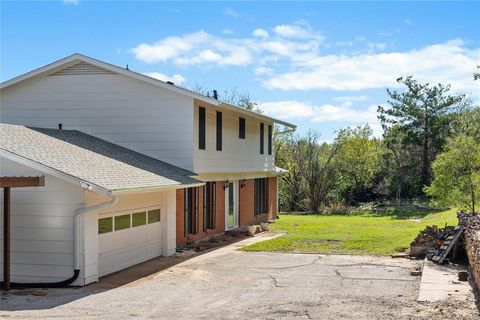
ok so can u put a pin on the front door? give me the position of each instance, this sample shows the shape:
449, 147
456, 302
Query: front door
231, 205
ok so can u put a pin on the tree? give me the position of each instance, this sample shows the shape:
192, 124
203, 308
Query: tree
315, 163
423, 113
233, 97
357, 161
457, 175
291, 195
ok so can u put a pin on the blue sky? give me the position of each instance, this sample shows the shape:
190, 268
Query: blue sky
320, 65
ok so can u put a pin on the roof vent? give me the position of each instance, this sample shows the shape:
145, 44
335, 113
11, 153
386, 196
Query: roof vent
60, 126
215, 94
81, 68
170, 83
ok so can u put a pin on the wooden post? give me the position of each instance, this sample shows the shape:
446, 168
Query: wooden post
6, 238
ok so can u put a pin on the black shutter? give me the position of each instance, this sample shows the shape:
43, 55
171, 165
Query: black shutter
219, 131
270, 140
262, 134
185, 212
201, 128
214, 205
205, 207
196, 208
241, 128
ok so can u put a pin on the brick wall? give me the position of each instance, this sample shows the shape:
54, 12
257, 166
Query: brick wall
246, 210
272, 194
183, 240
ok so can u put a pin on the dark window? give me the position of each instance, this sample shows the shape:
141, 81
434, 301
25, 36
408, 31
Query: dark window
191, 210
241, 128
262, 134
261, 195
105, 225
122, 222
269, 140
201, 128
209, 205
219, 131
154, 216
139, 219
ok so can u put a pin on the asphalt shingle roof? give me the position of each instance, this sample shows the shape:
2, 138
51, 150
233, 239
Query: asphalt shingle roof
93, 160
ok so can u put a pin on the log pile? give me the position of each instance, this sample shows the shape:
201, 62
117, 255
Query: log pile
429, 240
472, 241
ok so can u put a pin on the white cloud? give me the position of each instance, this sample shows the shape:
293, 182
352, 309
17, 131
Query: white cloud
176, 78
291, 31
448, 62
232, 13
260, 33
227, 31
202, 48
344, 112
263, 71
70, 2
350, 98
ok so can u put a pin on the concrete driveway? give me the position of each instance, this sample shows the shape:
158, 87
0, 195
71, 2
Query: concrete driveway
231, 284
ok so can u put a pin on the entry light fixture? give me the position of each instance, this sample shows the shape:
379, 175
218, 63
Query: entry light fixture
243, 183
225, 186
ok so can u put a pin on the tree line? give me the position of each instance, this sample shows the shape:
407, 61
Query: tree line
429, 151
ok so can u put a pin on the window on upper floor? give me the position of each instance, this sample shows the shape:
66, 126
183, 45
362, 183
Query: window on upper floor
270, 139
262, 137
219, 131
201, 128
241, 128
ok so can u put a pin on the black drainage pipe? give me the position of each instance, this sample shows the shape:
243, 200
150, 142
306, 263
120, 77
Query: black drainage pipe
48, 284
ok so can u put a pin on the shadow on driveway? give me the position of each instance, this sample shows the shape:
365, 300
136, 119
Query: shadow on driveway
39, 298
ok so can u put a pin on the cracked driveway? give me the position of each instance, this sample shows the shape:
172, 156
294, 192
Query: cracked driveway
231, 284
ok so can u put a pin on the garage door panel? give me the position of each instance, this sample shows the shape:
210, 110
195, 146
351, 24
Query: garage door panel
124, 248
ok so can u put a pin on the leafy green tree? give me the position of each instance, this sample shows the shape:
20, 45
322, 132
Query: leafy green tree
423, 114
457, 175
357, 161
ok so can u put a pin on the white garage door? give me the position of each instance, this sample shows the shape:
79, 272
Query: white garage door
128, 238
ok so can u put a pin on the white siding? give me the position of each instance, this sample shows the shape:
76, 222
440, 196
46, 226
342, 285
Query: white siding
41, 227
114, 107
237, 155
129, 203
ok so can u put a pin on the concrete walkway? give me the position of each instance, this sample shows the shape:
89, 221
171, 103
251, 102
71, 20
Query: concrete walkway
440, 282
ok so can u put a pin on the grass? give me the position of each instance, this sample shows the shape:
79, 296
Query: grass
383, 233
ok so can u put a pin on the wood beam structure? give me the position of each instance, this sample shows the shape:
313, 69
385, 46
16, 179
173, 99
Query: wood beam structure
7, 183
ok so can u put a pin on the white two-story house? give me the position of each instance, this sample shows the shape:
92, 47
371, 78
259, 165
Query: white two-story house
133, 168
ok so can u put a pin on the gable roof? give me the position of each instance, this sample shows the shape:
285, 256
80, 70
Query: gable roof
80, 156
78, 58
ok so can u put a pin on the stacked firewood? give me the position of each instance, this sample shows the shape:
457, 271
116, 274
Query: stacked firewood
429, 240
472, 241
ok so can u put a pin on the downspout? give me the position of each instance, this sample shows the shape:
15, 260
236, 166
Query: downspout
79, 213
76, 249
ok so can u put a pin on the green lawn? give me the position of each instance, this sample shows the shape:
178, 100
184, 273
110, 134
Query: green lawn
383, 233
